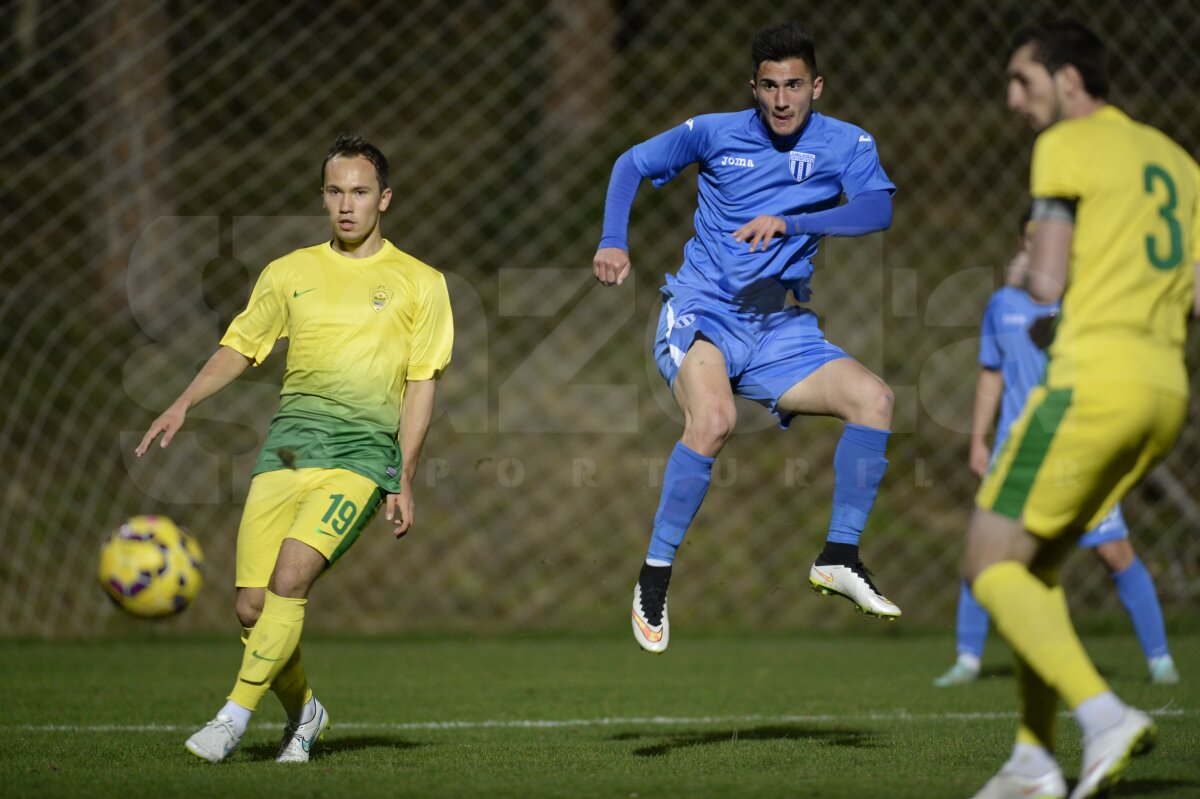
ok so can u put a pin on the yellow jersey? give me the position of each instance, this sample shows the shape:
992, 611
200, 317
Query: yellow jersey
357, 330
1136, 236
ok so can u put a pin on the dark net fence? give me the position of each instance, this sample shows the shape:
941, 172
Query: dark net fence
154, 156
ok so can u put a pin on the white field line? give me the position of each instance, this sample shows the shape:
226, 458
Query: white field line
542, 724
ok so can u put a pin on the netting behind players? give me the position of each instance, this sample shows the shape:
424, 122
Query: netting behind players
154, 156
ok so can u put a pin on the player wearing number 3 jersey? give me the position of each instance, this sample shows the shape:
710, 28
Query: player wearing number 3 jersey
1118, 240
369, 330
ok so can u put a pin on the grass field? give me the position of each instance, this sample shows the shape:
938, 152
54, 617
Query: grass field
762, 715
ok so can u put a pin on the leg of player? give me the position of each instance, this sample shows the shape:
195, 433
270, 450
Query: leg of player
971, 634
1014, 576
702, 390
290, 685
846, 389
270, 647
1135, 587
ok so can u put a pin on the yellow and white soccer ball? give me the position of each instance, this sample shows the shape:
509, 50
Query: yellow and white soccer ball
150, 568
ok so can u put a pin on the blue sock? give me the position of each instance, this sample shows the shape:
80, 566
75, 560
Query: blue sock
858, 467
972, 629
685, 482
1135, 587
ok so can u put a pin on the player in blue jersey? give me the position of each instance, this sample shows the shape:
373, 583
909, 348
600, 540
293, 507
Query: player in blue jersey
771, 180
1012, 364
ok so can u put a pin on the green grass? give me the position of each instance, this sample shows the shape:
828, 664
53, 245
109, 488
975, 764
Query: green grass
762, 715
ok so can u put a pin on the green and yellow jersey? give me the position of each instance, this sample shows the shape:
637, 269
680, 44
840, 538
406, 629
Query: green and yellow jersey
1137, 234
357, 330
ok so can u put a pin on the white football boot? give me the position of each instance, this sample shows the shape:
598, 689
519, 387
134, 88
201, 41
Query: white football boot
853, 583
299, 739
216, 740
1008, 785
959, 674
1107, 753
650, 627
1163, 671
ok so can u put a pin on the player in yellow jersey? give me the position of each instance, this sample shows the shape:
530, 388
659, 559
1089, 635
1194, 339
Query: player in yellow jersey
369, 331
1118, 240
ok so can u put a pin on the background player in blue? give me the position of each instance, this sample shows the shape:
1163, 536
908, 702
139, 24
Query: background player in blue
1011, 364
770, 183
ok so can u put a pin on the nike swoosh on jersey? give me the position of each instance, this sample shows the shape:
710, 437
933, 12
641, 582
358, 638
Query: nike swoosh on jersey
254, 653
301, 293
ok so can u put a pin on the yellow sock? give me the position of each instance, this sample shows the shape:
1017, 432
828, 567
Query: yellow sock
291, 684
1039, 707
1033, 618
269, 648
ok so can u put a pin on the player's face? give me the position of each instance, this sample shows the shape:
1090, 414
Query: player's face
353, 199
1032, 90
785, 91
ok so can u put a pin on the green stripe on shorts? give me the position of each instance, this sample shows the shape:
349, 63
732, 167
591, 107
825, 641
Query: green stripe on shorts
364, 518
1031, 451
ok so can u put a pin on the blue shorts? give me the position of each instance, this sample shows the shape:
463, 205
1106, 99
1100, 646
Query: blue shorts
766, 353
1111, 528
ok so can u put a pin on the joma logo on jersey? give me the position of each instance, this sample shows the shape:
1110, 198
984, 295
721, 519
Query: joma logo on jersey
729, 160
380, 297
801, 165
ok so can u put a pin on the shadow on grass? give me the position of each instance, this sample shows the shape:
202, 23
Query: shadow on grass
1153, 787
779, 732
344, 743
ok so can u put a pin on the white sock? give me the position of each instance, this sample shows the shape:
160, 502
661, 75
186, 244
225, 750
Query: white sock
1099, 713
309, 711
239, 715
657, 562
968, 661
1029, 760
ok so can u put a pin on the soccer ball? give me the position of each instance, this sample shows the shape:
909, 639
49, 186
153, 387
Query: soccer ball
150, 568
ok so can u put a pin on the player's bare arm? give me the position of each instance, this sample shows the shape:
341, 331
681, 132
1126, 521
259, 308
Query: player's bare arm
1196, 291
611, 265
760, 230
988, 391
1050, 259
225, 365
414, 424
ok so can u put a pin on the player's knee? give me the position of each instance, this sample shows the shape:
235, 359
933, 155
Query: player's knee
710, 428
874, 404
248, 607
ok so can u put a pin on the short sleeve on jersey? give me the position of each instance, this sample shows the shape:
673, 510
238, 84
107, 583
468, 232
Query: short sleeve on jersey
669, 153
1196, 220
433, 333
864, 172
255, 330
1055, 171
990, 355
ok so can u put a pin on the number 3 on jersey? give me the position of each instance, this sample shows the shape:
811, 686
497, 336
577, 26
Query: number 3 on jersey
1153, 175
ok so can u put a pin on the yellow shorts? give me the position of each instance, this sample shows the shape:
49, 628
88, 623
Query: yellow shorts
1074, 452
324, 508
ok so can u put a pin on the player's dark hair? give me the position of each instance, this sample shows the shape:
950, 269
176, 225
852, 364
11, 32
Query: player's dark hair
781, 42
1066, 41
1025, 218
352, 145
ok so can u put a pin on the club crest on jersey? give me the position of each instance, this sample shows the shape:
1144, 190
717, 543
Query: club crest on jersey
801, 165
380, 297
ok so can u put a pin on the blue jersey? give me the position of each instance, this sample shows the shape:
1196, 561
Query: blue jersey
744, 173
1005, 346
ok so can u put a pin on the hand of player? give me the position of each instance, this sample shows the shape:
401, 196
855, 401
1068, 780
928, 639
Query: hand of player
400, 509
979, 458
611, 265
760, 230
167, 424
